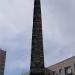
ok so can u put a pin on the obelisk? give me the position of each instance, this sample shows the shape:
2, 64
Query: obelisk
37, 53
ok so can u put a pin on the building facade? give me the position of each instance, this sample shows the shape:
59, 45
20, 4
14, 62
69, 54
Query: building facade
66, 67
2, 61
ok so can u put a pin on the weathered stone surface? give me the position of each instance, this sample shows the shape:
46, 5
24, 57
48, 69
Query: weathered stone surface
2, 61
37, 55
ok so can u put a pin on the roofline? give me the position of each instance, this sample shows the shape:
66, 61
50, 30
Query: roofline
62, 61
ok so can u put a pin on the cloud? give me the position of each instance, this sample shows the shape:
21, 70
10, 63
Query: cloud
58, 30
15, 12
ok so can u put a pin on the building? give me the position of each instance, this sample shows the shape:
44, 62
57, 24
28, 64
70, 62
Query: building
2, 61
37, 54
66, 67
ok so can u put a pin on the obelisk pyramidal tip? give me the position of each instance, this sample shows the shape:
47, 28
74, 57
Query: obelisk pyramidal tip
37, 54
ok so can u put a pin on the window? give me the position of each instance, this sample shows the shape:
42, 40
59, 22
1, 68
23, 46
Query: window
68, 70
74, 66
54, 72
60, 70
57, 74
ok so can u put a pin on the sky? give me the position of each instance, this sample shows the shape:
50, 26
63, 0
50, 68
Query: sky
16, 21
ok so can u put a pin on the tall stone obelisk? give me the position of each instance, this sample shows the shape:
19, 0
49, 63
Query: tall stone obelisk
37, 54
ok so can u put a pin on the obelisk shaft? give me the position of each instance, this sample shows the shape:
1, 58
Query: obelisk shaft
37, 54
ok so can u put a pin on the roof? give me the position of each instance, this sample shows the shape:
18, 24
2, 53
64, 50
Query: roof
73, 57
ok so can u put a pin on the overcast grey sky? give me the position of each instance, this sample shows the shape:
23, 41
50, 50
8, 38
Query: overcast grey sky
16, 19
